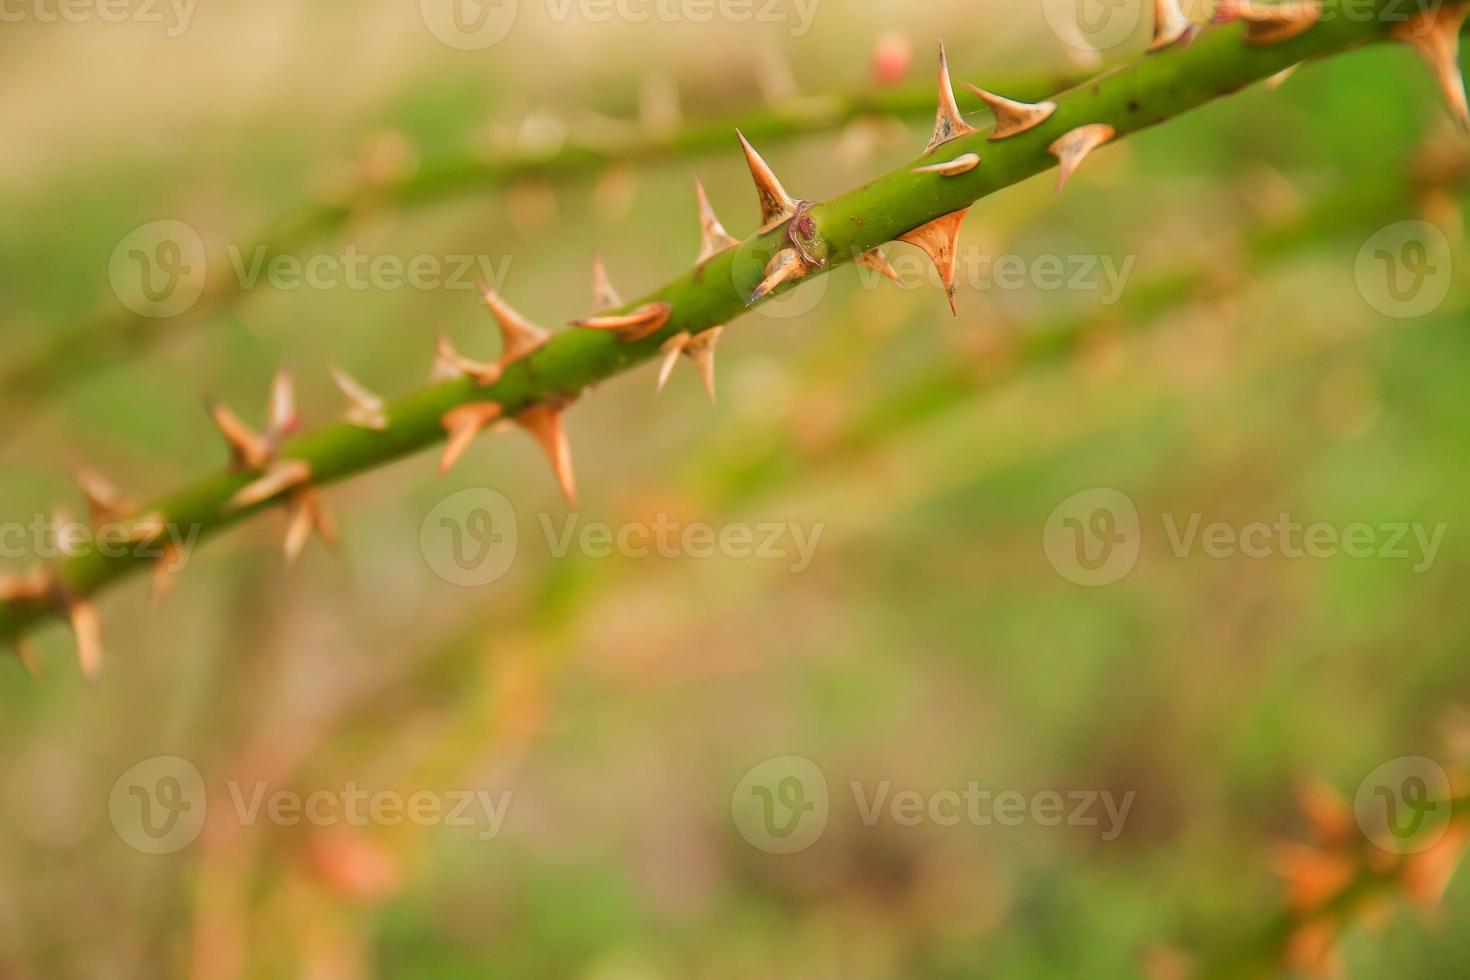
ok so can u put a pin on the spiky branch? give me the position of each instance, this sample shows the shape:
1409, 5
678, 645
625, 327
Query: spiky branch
538, 376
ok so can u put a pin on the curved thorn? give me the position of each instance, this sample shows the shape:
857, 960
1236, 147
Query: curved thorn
1270, 23
701, 350
544, 424
88, 631
776, 205
450, 363
1171, 25
713, 238
786, 266
281, 476
248, 449
879, 263
1011, 117
672, 348
519, 336
940, 240
642, 323
604, 296
952, 168
364, 409
463, 424
948, 123
1074, 147
104, 500
1435, 34
284, 419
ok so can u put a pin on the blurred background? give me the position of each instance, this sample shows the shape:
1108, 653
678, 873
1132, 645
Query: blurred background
987, 571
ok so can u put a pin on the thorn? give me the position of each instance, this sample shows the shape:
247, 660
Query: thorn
305, 515
463, 424
25, 652
282, 475
164, 574
1074, 147
521, 337
1279, 79
1171, 25
713, 238
544, 424
104, 500
604, 296
148, 527
364, 409
450, 363
952, 168
701, 350
948, 123
284, 419
248, 450
1011, 117
940, 240
672, 348
879, 263
88, 632
1435, 34
776, 205
1270, 23
786, 266
25, 588
632, 327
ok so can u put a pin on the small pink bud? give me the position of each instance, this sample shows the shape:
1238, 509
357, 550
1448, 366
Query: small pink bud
893, 57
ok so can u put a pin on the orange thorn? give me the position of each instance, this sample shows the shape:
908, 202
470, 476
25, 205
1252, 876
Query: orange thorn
948, 123
463, 424
26, 654
364, 409
1270, 23
776, 205
701, 350
713, 238
878, 262
1435, 34
284, 419
88, 632
104, 500
940, 240
1074, 147
520, 336
1011, 117
604, 296
450, 363
281, 476
247, 449
642, 323
785, 266
544, 424
952, 168
1171, 25
672, 348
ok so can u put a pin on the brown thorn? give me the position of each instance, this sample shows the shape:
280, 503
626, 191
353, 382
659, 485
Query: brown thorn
31, 587
284, 419
104, 500
1435, 34
520, 336
604, 296
672, 348
298, 530
713, 238
940, 241
544, 424
247, 449
1171, 25
450, 363
463, 424
164, 574
776, 205
948, 123
630, 328
878, 262
364, 409
786, 265
88, 631
1280, 78
1011, 117
1074, 147
701, 350
25, 652
952, 168
1270, 23
281, 476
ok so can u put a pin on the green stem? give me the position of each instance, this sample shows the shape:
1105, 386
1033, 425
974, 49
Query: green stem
1139, 95
75, 351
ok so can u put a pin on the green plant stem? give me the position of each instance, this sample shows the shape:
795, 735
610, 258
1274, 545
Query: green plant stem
79, 349
1142, 94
